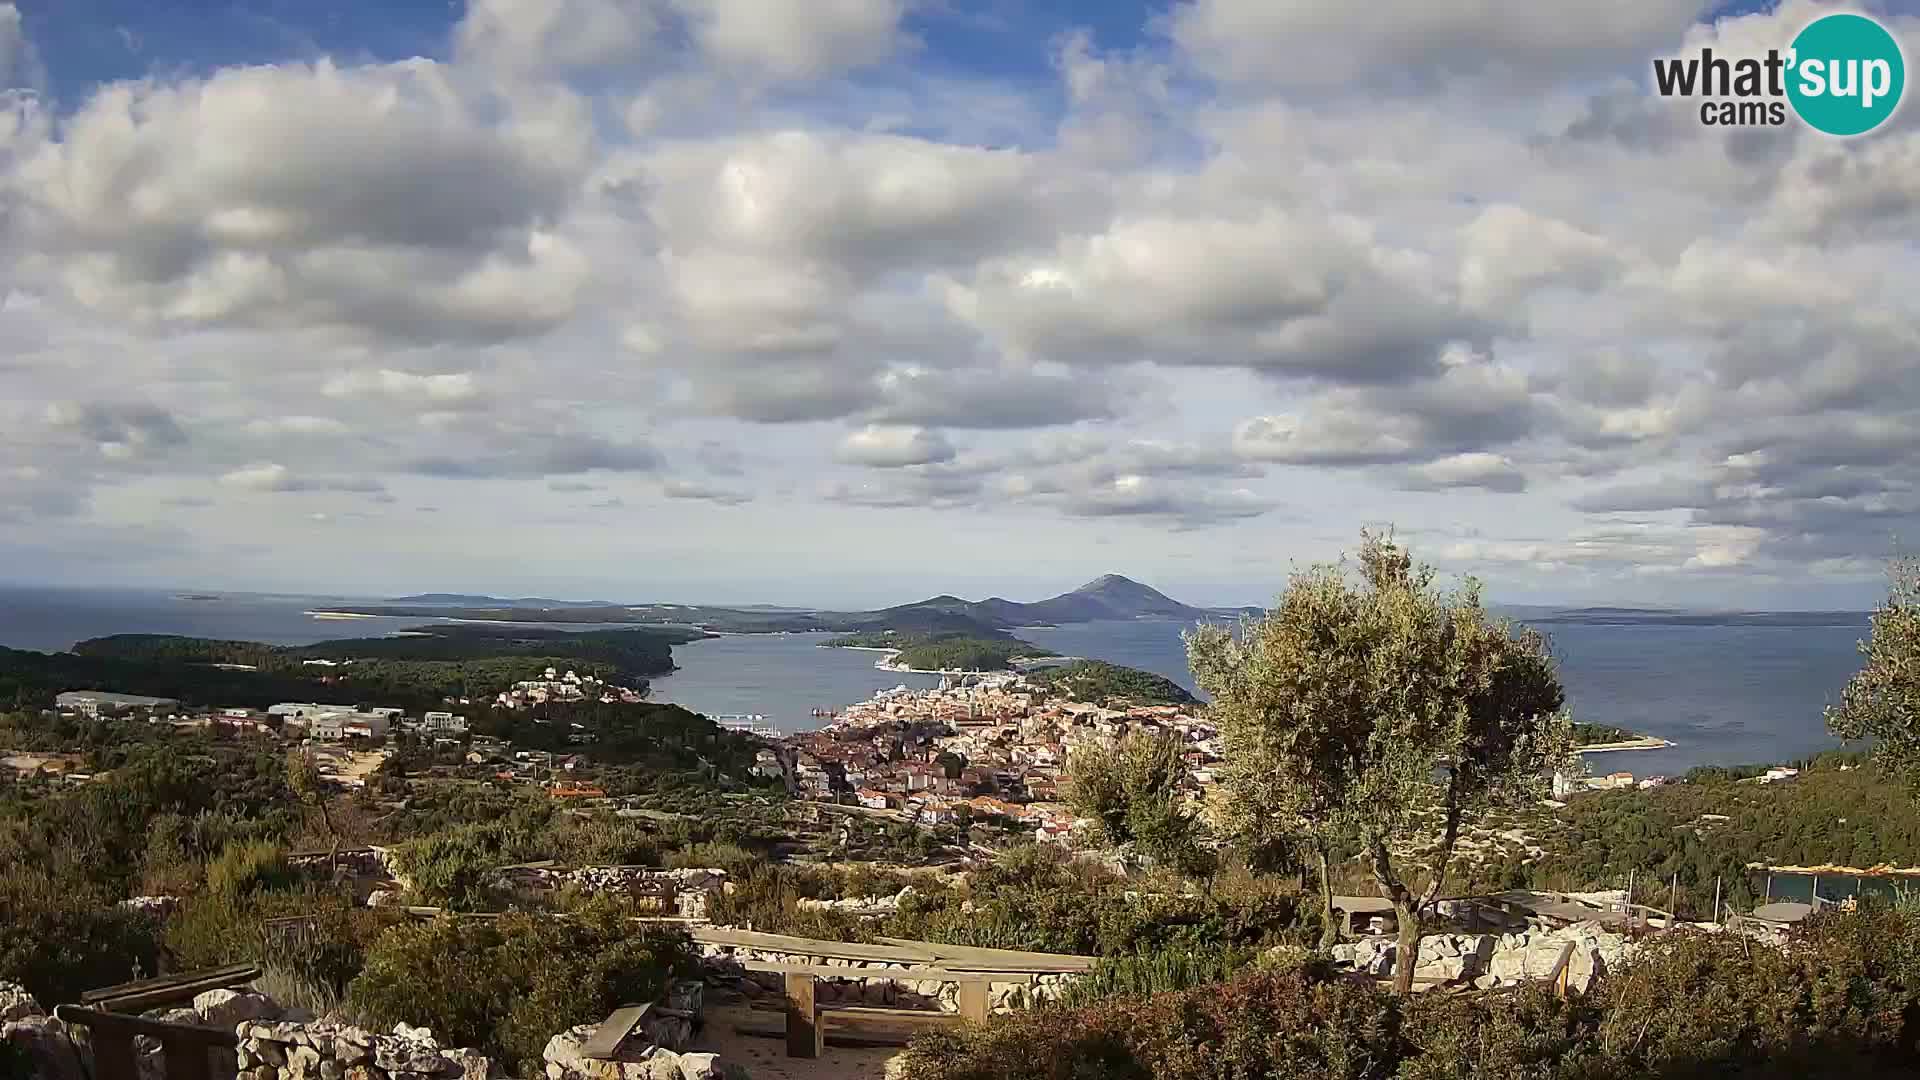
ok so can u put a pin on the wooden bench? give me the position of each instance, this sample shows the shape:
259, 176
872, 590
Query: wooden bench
808, 1021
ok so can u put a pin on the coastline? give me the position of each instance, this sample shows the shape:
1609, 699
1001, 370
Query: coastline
340, 615
1645, 742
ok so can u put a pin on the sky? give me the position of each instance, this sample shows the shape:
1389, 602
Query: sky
855, 301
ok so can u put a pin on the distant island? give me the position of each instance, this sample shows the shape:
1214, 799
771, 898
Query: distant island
1598, 738
418, 668
942, 652
1109, 597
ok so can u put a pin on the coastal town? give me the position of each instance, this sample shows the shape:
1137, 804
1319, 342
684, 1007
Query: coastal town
976, 747
979, 748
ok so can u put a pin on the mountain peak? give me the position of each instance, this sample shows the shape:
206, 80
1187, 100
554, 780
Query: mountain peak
1109, 581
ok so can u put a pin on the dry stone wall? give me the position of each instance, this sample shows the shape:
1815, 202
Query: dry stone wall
866, 982
1494, 960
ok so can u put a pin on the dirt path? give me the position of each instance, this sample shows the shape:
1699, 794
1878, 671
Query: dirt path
766, 1059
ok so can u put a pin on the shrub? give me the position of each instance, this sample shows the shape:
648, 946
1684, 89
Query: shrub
1158, 972
455, 867
60, 936
246, 867
507, 985
720, 854
767, 898
321, 954
1842, 1000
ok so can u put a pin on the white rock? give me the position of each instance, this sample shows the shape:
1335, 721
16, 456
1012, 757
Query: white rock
405, 1030
226, 1008
700, 1067
17, 1004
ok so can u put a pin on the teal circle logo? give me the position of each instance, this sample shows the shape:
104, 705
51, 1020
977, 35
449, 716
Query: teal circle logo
1847, 74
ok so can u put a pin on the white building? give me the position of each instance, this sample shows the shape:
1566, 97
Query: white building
442, 723
94, 702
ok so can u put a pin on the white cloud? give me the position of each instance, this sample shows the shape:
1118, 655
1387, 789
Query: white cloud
267, 476
894, 447
1473, 470
371, 198
771, 257
1399, 42
555, 35
781, 40
443, 390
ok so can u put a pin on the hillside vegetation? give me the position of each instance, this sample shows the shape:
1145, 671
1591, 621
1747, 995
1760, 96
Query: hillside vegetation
1111, 685
415, 671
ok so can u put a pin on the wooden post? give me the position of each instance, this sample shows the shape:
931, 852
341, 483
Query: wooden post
973, 1001
804, 1036
1629, 897
1673, 902
185, 1061
1716, 898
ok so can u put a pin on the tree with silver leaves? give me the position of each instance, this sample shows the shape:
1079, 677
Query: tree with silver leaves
1362, 706
1882, 700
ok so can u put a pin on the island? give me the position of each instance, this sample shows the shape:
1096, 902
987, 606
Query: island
1601, 738
943, 653
416, 668
1109, 597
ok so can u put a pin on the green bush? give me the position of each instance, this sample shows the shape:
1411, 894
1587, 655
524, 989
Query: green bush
456, 868
247, 867
60, 936
507, 985
1158, 972
1842, 1000
321, 953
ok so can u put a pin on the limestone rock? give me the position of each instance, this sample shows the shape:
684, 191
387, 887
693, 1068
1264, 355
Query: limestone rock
469, 1065
1448, 968
43, 1042
17, 1004
225, 1008
700, 1067
418, 1034
352, 1046
303, 1063
396, 1055
562, 1052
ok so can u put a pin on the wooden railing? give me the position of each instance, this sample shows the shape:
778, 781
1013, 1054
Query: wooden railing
184, 1047
143, 994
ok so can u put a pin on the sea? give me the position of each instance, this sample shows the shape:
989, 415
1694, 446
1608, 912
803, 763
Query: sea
1724, 691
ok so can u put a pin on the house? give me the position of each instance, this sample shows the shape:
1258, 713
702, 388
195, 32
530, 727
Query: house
766, 764
442, 723
94, 702
871, 799
327, 727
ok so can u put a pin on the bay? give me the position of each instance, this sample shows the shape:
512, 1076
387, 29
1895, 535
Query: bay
1723, 693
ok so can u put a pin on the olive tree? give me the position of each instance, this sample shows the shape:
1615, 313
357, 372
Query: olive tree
1882, 700
310, 788
1131, 789
1381, 708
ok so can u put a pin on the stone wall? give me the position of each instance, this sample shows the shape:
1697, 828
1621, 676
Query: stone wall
867, 984
1493, 960
690, 885
279, 1044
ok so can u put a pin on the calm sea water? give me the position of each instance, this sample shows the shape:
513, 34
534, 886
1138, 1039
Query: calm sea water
1725, 694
